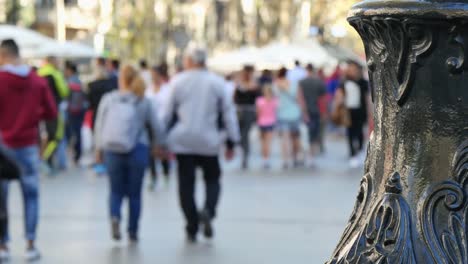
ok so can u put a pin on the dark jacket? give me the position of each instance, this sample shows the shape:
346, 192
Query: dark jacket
96, 90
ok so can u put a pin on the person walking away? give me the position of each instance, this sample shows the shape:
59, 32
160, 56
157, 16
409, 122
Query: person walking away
100, 62
122, 142
289, 119
245, 96
323, 104
77, 106
96, 90
113, 67
198, 104
55, 78
333, 82
267, 106
266, 78
71, 73
21, 91
56, 146
354, 94
311, 91
324, 118
145, 73
296, 74
158, 94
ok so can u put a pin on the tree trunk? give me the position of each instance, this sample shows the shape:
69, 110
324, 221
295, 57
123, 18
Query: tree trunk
13, 12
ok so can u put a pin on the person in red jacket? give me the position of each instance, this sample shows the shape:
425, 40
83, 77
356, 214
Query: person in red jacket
25, 100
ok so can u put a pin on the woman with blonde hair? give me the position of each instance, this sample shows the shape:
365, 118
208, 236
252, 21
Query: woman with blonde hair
122, 141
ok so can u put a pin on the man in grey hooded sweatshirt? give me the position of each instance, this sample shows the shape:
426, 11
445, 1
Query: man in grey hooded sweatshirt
198, 111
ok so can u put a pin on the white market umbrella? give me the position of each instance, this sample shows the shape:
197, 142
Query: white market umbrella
28, 40
318, 53
284, 54
343, 54
274, 56
234, 60
66, 50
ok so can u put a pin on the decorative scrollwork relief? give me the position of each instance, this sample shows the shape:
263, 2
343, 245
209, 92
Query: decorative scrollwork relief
386, 236
446, 206
362, 200
393, 47
455, 64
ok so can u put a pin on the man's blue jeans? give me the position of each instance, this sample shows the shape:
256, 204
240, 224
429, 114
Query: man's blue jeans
126, 173
28, 159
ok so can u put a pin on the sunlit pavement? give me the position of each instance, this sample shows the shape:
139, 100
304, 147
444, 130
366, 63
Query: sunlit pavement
265, 217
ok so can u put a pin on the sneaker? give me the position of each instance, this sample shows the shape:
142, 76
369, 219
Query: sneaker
167, 181
152, 186
44, 168
133, 238
298, 163
311, 163
116, 230
100, 169
245, 165
354, 163
266, 165
32, 254
205, 219
191, 238
4, 255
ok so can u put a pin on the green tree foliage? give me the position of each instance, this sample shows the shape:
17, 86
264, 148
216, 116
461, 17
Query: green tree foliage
137, 32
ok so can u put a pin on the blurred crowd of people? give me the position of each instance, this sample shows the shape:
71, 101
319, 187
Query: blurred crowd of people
282, 101
142, 117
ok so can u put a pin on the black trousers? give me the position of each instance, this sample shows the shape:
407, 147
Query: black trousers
187, 165
153, 163
355, 132
247, 119
74, 124
166, 167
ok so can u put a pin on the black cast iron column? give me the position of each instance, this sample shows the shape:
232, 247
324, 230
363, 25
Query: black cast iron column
412, 206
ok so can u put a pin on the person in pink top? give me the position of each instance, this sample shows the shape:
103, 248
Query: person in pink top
267, 106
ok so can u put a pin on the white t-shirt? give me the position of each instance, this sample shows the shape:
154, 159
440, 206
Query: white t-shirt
296, 75
159, 100
352, 95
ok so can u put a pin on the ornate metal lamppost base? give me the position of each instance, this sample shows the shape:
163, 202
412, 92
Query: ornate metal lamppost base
412, 206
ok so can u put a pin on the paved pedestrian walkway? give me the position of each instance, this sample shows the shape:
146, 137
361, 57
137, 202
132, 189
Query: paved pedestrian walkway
272, 217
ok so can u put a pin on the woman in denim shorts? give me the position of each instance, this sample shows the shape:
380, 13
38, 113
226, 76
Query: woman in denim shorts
289, 119
267, 106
